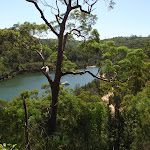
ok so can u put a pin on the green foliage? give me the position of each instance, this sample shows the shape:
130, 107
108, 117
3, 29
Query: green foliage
95, 36
132, 42
137, 115
18, 49
84, 121
87, 118
120, 63
87, 53
12, 117
30, 29
5, 146
83, 21
66, 64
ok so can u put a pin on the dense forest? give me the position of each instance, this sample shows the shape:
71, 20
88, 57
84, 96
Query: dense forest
18, 50
132, 42
84, 120
107, 114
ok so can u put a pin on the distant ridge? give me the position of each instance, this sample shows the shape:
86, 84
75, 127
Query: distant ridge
73, 43
132, 42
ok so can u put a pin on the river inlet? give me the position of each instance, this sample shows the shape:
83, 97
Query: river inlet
12, 87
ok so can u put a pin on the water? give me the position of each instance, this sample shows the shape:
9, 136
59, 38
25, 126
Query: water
12, 87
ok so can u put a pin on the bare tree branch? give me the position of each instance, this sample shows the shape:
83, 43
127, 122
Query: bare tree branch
78, 34
80, 7
42, 16
57, 7
90, 5
26, 124
66, 16
46, 4
69, 32
86, 71
82, 10
57, 19
65, 2
74, 29
45, 71
56, 15
40, 54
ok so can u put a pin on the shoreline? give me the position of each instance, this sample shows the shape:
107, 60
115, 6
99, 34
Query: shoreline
26, 72
90, 66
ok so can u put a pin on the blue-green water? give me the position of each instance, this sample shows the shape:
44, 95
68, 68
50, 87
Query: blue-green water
12, 87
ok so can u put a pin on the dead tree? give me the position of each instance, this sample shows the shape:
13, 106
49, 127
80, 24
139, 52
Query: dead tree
26, 124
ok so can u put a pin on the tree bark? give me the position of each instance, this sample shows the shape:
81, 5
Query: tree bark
56, 83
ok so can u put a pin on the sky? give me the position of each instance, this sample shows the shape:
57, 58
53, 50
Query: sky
129, 17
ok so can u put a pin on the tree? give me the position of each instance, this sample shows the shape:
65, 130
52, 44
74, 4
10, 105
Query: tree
136, 116
24, 95
62, 27
95, 36
17, 48
128, 70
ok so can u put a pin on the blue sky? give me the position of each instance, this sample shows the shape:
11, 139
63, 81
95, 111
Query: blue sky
129, 17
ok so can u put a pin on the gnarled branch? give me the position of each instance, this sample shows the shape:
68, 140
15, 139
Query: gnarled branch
89, 6
65, 2
86, 71
69, 32
42, 16
40, 54
45, 71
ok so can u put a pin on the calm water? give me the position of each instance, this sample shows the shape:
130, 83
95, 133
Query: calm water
12, 87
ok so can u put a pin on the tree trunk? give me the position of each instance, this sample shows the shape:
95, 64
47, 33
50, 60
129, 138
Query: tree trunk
55, 87
54, 105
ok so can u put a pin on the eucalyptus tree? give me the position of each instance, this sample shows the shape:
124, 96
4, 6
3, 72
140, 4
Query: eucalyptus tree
71, 17
17, 48
128, 69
